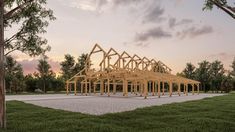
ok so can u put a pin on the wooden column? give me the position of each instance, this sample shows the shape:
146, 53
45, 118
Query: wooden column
186, 89
101, 87
153, 88
82, 87
114, 87
86, 87
197, 88
159, 89
163, 88
193, 86
145, 89
75, 87
94, 88
170, 89
135, 88
89, 87
67, 87
131, 88
108, 83
179, 89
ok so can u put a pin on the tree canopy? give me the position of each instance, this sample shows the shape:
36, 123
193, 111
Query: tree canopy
31, 18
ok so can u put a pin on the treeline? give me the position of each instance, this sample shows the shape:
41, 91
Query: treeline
213, 76
44, 79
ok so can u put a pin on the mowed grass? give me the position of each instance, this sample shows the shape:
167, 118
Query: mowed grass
215, 114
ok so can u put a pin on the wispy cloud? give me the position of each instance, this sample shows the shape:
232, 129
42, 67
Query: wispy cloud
193, 32
154, 14
172, 22
154, 33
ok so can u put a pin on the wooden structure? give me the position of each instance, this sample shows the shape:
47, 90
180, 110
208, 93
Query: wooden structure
133, 74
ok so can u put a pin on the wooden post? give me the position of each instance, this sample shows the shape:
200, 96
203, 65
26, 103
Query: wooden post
159, 89
75, 87
135, 88
86, 87
101, 87
82, 87
153, 88
67, 87
108, 83
131, 88
197, 88
170, 89
179, 89
89, 87
145, 89
186, 89
94, 88
163, 88
114, 87
193, 88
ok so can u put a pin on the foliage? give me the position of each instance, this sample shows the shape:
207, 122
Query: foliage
221, 4
31, 16
209, 115
45, 74
67, 66
202, 74
31, 83
189, 71
14, 75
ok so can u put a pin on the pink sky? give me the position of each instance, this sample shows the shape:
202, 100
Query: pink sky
173, 31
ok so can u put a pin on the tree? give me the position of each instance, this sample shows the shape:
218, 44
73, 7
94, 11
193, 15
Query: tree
221, 4
33, 17
189, 71
202, 73
217, 73
14, 75
31, 83
44, 72
233, 72
67, 67
227, 83
80, 65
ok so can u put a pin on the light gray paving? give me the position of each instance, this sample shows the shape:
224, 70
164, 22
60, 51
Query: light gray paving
98, 105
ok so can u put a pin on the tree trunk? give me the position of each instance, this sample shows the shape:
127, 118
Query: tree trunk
2, 73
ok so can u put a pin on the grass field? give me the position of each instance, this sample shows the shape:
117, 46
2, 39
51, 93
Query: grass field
215, 114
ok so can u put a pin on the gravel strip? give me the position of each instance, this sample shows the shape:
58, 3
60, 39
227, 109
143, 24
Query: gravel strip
98, 105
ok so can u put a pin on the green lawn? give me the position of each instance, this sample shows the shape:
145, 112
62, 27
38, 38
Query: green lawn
210, 114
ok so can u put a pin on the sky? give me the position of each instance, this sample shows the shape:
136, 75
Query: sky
173, 31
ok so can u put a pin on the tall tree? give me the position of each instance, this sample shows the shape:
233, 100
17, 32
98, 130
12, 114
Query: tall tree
189, 71
233, 73
31, 16
221, 4
44, 72
217, 73
14, 75
67, 66
202, 73
80, 65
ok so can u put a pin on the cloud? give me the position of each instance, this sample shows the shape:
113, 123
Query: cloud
155, 33
193, 32
172, 22
126, 2
154, 14
222, 56
29, 66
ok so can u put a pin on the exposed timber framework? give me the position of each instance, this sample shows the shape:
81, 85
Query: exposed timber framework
131, 74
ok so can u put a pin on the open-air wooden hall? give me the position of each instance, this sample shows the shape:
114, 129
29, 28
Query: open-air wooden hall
129, 74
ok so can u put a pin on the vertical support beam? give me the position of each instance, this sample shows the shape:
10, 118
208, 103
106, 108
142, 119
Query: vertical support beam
141, 89
193, 86
135, 87
101, 87
153, 88
186, 89
131, 87
82, 87
89, 86
163, 88
170, 88
145, 89
75, 87
67, 87
114, 87
198, 88
86, 86
159, 89
179, 89
108, 83
94, 88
